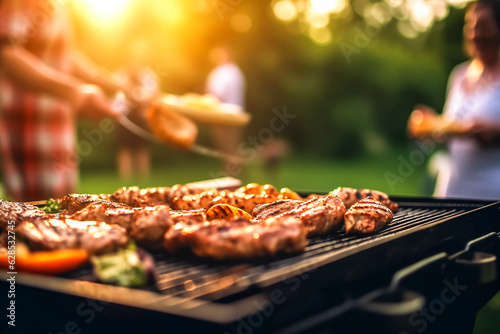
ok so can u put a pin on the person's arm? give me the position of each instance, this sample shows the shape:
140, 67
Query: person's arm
487, 133
26, 70
88, 71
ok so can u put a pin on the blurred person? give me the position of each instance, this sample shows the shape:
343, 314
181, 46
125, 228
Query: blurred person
133, 157
272, 155
45, 84
473, 101
227, 82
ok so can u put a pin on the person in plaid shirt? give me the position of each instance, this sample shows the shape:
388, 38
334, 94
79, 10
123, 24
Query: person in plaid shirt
45, 83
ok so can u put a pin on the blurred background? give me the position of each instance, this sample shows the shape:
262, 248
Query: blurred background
346, 72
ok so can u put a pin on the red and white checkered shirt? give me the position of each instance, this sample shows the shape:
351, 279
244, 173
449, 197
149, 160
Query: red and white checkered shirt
37, 132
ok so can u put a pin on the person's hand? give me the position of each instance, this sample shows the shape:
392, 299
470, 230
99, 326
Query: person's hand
486, 133
139, 98
90, 101
422, 122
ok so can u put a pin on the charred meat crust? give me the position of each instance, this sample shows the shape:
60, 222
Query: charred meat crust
51, 234
367, 216
15, 211
350, 196
135, 196
75, 202
239, 238
263, 211
150, 224
321, 214
146, 225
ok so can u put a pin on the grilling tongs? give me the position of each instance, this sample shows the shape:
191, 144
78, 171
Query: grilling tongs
168, 127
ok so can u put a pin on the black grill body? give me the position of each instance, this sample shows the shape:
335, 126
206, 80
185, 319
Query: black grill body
382, 282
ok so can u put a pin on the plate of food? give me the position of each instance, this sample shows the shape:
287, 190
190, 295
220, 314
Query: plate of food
424, 122
206, 109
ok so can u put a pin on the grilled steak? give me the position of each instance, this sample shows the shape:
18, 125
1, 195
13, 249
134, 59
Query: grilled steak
239, 238
321, 214
246, 202
51, 234
245, 198
263, 211
367, 216
75, 202
149, 225
146, 225
199, 215
202, 200
18, 212
108, 212
176, 238
351, 196
134, 196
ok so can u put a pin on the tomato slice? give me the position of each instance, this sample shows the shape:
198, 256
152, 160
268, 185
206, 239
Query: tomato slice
171, 127
47, 262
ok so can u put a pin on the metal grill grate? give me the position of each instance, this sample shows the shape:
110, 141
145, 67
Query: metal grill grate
190, 278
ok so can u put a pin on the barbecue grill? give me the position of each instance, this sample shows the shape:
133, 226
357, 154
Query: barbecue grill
431, 269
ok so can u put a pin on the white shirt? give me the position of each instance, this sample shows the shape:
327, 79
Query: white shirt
474, 170
227, 82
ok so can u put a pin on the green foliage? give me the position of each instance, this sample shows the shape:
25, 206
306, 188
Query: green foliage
341, 99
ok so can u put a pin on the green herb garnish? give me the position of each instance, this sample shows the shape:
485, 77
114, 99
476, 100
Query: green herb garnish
123, 268
52, 206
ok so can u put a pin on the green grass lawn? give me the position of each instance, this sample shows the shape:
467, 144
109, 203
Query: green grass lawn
298, 173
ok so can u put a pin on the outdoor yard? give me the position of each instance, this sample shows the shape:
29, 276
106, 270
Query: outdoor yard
307, 174
302, 174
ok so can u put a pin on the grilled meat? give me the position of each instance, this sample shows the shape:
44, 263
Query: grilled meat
202, 200
263, 211
199, 215
257, 189
104, 211
367, 216
134, 196
146, 225
205, 200
184, 221
75, 202
274, 228
14, 211
176, 238
351, 196
239, 238
149, 225
50, 234
321, 214
245, 198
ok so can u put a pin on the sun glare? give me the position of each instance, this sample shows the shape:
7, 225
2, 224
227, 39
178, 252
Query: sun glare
104, 9
285, 10
328, 6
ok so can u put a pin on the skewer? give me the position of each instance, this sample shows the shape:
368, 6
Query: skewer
199, 149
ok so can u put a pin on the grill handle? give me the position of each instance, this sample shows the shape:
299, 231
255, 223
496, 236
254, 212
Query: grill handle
476, 267
394, 301
403, 273
493, 236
